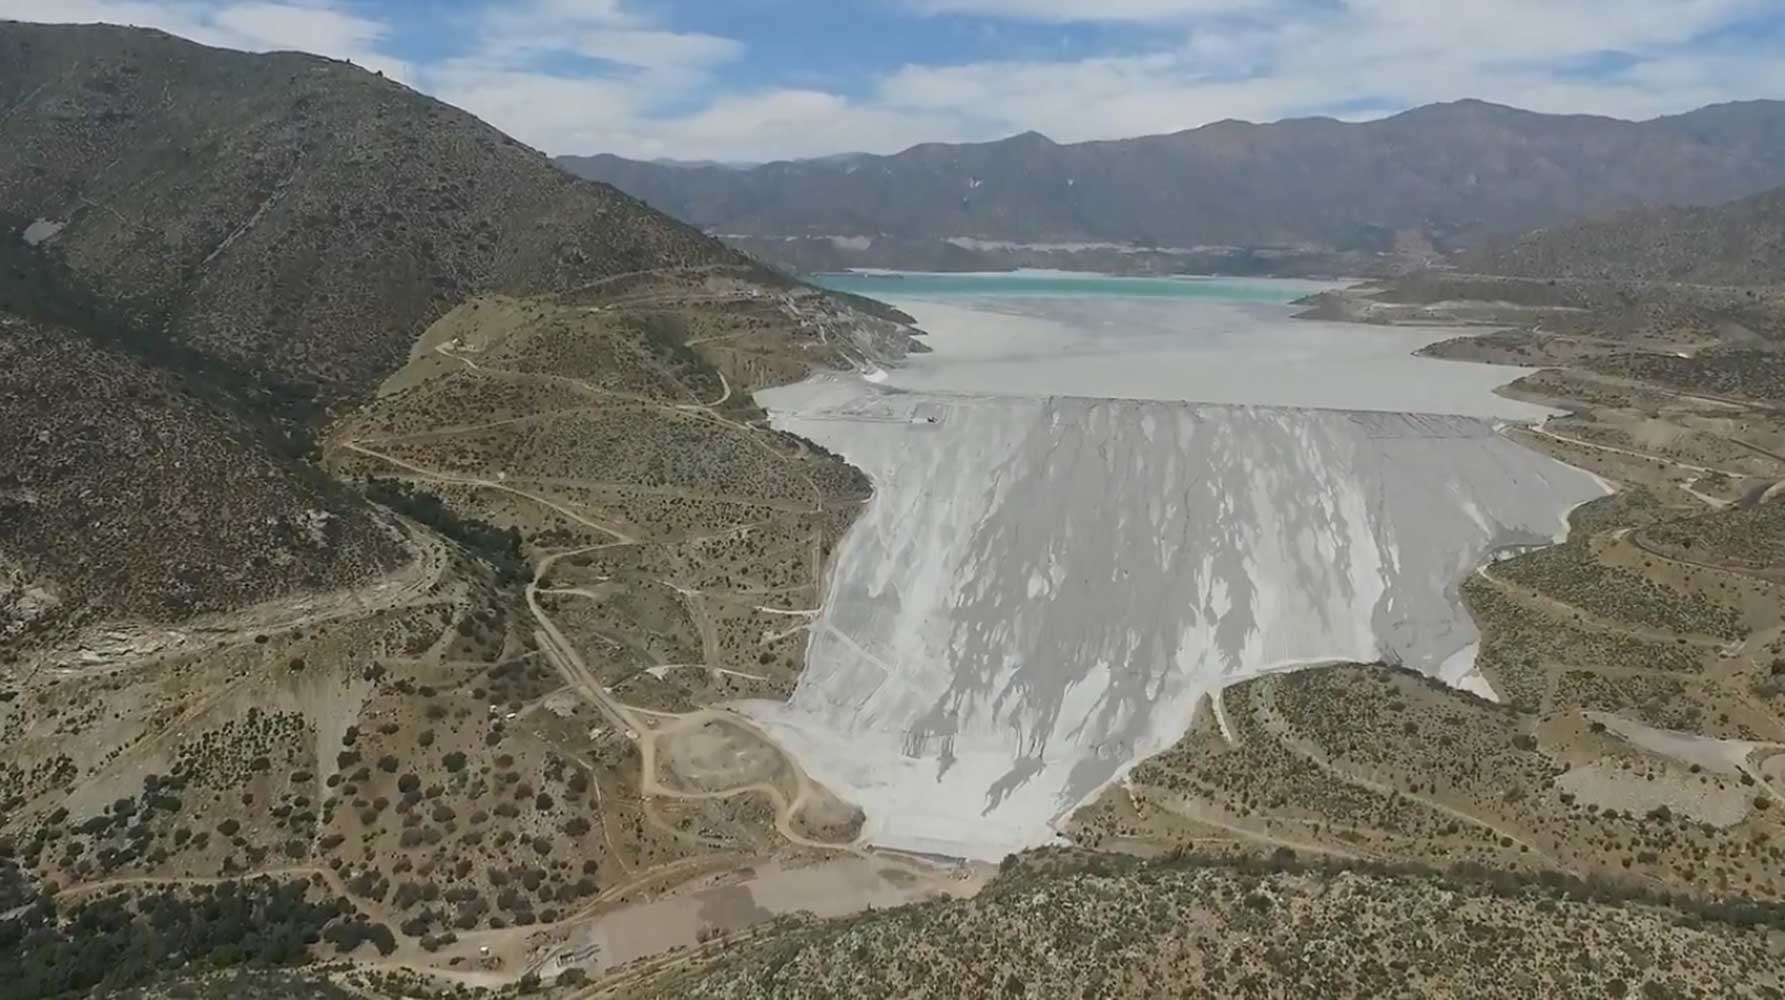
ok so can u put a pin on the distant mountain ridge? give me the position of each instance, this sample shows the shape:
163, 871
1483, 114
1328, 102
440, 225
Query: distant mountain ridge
1444, 176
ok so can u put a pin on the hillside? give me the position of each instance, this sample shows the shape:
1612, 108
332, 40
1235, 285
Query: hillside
1444, 175
1186, 928
294, 219
1739, 243
389, 531
359, 462
241, 244
113, 497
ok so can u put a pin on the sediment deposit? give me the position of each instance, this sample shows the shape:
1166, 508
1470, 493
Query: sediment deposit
1042, 588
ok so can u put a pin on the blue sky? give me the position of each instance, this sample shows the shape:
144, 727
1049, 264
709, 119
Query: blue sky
749, 80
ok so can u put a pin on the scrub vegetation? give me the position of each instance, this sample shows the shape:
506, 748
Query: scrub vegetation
1638, 732
390, 513
1067, 924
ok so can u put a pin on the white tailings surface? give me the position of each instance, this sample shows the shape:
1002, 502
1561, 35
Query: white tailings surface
1062, 556
1211, 351
1041, 589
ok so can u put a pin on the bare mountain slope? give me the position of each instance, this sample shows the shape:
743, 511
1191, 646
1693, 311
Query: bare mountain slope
1740, 243
1448, 173
294, 217
201, 252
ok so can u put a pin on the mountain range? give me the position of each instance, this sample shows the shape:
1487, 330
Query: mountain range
1436, 177
389, 533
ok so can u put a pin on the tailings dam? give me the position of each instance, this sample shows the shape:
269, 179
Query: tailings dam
1045, 584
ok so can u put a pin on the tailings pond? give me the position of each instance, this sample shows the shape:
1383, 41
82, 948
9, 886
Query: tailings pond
1098, 500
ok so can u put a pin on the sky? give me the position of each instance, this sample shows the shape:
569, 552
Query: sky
755, 80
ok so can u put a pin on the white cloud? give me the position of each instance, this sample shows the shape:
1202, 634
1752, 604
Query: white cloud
654, 49
1255, 59
1087, 10
609, 76
555, 113
319, 26
165, 16
785, 124
315, 28
514, 74
603, 11
1388, 54
515, 33
1478, 34
563, 114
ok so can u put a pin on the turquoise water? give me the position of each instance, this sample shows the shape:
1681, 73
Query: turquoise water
1050, 285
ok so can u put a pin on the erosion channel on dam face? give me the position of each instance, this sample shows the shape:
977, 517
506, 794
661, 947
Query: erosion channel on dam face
1046, 583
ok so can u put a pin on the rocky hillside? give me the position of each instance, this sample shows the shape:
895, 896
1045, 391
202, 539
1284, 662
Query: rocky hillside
1186, 929
1444, 174
1740, 243
353, 459
295, 219
1692, 297
125, 493
202, 254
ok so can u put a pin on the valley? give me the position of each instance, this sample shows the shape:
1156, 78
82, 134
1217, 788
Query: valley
460, 684
1015, 655
580, 704
425, 573
1620, 737
1587, 645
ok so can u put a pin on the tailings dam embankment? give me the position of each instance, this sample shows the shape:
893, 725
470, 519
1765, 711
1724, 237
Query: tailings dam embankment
1061, 556
1042, 588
